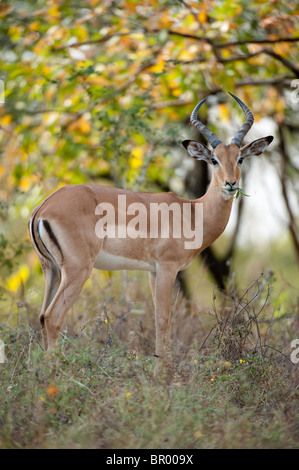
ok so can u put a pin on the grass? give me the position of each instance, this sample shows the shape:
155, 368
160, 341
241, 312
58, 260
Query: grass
234, 387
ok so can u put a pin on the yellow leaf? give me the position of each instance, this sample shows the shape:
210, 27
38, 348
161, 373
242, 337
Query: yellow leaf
27, 182
20, 277
136, 157
137, 36
15, 32
97, 80
46, 70
202, 16
166, 21
81, 33
6, 120
158, 67
54, 11
34, 26
187, 54
223, 111
82, 125
177, 92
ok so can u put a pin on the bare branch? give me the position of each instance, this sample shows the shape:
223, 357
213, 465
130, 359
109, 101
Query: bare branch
280, 81
172, 103
181, 34
269, 52
283, 180
256, 41
283, 60
91, 41
231, 43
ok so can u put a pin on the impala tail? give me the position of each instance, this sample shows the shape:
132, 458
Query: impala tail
36, 228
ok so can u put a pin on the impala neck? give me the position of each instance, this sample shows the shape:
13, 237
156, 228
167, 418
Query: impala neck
216, 213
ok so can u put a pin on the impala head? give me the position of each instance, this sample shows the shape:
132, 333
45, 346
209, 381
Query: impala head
226, 160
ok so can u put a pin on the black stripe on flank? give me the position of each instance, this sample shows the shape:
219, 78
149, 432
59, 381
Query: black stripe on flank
32, 230
51, 234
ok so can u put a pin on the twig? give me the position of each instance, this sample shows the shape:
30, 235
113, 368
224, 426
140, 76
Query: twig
81, 385
21, 354
144, 169
92, 41
277, 350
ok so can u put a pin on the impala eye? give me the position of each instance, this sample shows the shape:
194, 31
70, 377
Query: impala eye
214, 161
240, 161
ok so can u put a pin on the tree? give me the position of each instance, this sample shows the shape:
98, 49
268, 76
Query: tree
100, 90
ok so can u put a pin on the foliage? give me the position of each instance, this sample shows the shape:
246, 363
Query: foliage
99, 92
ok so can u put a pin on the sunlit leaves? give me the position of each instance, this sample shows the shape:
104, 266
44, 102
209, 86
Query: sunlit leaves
92, 91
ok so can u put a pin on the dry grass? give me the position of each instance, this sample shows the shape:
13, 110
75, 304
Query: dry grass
235, 386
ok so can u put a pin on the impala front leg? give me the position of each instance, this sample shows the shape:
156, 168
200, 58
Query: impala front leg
165, 279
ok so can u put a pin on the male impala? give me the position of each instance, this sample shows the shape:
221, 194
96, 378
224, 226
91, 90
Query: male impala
67, 239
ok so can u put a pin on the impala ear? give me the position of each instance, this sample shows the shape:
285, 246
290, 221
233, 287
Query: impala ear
197, 150
256, 147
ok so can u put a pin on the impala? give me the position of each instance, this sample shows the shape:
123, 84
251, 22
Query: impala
66, 236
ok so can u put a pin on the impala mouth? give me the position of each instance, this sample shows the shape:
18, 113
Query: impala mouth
230, 189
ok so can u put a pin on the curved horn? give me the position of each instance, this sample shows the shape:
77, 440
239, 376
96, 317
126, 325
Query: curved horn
237, 140
204, 130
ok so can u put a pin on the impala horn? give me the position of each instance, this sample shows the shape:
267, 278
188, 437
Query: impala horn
212, 138
204, 130
237, 140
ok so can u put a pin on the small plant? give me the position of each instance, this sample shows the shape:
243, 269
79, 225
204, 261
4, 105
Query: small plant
240, 324
240, 192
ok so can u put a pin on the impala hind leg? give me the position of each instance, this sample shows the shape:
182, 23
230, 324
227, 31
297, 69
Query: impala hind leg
71, 284
52, 280
152, 283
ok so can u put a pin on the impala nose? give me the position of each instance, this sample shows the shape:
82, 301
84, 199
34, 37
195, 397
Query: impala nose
230, 183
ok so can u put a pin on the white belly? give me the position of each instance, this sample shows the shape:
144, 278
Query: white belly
109, 262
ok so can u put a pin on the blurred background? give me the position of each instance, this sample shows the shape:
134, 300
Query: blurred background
101, 91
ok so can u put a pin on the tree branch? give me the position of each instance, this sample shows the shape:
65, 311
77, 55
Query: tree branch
248, 56
256, 41
179, 33
91, 41
280, 81
283, 60
283, 180
231, 43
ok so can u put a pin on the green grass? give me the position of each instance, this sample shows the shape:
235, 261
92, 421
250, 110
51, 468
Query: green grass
97, 390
